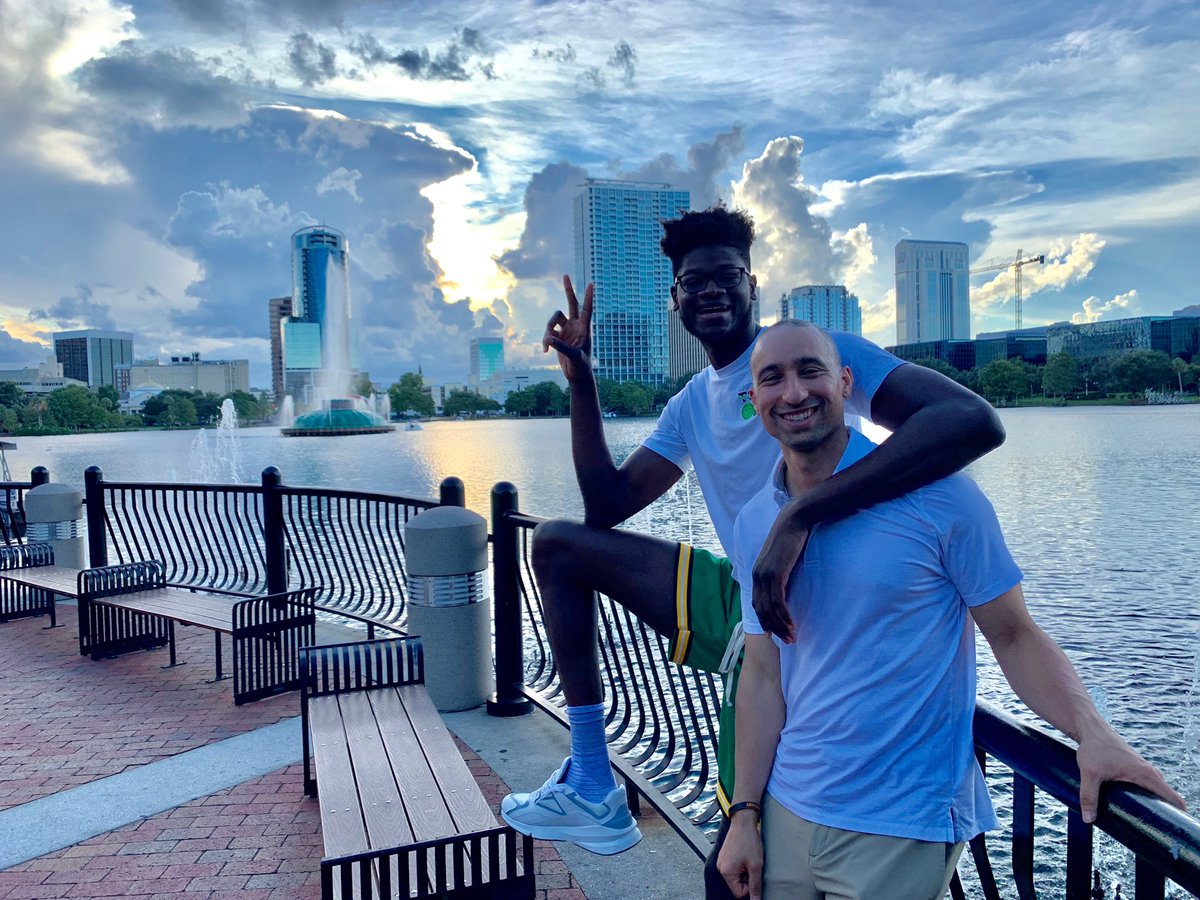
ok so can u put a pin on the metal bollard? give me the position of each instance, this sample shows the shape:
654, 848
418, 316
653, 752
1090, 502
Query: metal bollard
449, 606
54, 515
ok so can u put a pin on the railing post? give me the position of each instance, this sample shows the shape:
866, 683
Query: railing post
273, 543
509, 700
39, 475
452, 492
93, 502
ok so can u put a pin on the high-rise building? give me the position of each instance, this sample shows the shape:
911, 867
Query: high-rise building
687, 355
617, 233
932, 291
320, 346
827, 305
187, 372
487, 358
90, 355
278, 310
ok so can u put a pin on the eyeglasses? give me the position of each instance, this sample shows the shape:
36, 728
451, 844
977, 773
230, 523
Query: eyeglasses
695, 282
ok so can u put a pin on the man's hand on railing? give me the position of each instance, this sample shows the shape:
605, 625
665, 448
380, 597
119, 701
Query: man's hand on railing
1103, 756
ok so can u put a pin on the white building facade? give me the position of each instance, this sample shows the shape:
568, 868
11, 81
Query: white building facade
933, 299
617, 233
827, 305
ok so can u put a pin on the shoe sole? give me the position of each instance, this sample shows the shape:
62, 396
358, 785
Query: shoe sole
608, 846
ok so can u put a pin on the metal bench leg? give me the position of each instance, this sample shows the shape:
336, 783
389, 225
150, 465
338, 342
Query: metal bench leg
220, 676
171, 645
53, 612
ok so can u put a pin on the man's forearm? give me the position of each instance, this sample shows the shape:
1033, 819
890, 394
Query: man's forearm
1044, 679
599, 479
760, 717
935, 441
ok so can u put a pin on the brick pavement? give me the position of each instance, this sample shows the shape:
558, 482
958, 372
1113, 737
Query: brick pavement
66, 720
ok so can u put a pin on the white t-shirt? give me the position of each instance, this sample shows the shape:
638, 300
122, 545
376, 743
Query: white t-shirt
712, 423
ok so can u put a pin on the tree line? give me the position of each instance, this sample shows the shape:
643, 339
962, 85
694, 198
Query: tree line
1063, 376
410, 396
75, 408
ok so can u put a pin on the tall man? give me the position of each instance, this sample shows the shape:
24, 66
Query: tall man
687, 594
863, 724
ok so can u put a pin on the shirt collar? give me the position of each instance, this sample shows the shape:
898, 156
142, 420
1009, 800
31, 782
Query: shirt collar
857, 447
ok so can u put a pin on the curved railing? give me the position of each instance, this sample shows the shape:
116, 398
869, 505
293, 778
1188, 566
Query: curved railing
266, 538
661, 723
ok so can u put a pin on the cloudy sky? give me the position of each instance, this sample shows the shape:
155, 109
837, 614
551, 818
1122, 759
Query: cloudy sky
155, 156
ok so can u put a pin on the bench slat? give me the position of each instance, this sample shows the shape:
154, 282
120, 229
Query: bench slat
427, 811
383, 809
59, 579
341, 819
462, 796
187, 607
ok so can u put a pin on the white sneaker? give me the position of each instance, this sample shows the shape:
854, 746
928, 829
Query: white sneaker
556, 812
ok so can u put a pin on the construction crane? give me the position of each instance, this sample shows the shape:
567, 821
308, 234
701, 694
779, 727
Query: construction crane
1021, 260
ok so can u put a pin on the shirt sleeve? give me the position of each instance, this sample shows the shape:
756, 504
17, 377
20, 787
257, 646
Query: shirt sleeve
974, 553
869, 363
667, 438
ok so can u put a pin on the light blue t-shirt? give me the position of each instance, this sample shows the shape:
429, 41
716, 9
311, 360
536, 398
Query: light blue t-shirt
711, 422
880, 683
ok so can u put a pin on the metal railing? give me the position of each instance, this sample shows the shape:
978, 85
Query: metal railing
661, 723
12, 505
268, 538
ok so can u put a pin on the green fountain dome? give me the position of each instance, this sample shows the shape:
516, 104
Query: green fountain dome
340, 417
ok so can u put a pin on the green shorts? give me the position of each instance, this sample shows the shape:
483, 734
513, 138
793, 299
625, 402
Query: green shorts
708, 606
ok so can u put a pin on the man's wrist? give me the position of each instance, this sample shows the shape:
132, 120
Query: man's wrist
750, 810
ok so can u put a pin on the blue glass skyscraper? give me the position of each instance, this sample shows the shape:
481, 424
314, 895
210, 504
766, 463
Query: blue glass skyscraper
617, 230
319, 347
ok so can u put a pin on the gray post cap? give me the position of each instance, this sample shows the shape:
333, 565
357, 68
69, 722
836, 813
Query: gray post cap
53, 502
445, 540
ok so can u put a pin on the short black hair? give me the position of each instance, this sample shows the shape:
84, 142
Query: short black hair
715, 226
823, 335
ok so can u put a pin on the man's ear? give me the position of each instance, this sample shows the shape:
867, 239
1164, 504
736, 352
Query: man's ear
753, 286
674, 299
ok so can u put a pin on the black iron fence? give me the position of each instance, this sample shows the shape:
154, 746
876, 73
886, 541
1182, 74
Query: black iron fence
661, 721
661, 718
12, 505
267, 538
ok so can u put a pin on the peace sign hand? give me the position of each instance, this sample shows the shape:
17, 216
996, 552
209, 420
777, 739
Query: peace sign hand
571, 334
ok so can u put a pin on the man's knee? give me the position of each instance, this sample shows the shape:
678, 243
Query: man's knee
555, 543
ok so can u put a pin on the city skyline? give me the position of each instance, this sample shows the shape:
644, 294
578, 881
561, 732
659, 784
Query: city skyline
159, 155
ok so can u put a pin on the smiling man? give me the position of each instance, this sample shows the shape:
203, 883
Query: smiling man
854, 742
687, 594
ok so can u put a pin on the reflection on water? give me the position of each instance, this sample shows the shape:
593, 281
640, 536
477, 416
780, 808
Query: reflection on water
1099, 505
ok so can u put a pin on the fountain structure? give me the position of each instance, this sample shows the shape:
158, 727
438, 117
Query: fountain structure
337, 414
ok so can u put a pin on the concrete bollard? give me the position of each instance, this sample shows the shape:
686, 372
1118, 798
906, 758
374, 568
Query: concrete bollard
54, 515
449, 606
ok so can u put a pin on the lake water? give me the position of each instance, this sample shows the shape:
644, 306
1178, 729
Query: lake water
1100, 506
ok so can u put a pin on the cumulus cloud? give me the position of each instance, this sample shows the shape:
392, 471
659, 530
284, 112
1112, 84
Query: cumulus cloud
80, 310
624, 60
1095, 309
547, 245
707, 161
563, 54
1065, 265
167, 87
310, 60
795, 245
16, 353
341, 179
466, 55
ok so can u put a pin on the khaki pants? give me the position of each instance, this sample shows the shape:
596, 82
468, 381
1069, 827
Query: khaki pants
805, 861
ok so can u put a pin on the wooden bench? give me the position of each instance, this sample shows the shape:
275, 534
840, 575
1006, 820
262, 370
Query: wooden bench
30, 582
400, 812
131, 607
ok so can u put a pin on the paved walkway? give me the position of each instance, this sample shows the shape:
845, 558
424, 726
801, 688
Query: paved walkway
122, 778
